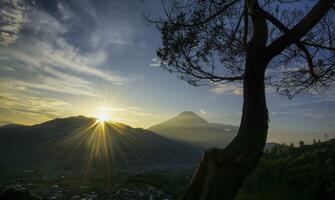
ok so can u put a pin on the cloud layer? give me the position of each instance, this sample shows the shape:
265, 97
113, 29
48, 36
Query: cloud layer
38, 61
11, 21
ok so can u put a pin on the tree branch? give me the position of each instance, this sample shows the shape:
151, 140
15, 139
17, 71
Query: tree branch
283, 28
209, 18
306, 24
317, 45
210, 76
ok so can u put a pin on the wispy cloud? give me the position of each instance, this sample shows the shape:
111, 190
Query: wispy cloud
110, 28
202, 111
11, 21
60, 56
227, 89
19, 107
135, 108
283, 113
107, 34
49, 62
155, 62
319, 115
138, 111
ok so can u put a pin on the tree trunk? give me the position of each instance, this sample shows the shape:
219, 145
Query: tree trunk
222, 171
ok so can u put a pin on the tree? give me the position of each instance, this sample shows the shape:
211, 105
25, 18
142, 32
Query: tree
301, 143
276, 43
291, 145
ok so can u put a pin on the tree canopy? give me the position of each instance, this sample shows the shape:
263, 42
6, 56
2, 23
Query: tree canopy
205, 42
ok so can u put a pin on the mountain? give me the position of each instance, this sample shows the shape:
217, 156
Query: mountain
191, 128
12, 125
80, 142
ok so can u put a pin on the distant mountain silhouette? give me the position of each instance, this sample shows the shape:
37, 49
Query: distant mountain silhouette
191, 128
76, 142
12, 125
186, 117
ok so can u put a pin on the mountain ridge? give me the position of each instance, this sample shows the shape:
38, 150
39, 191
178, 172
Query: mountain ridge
190, 127
70, 142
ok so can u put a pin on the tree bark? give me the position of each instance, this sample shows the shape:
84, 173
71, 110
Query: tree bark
221, 172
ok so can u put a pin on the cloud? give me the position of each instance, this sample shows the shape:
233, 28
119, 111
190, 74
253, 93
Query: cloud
135, 108
32, 107
43, 25
66, 13
46, 61
113, 109
11, 21
227, 89
283, 113
107, 34
203, 112
320, 115
65, 56
238, 91
52, 85
141, 113
40, 72
155, 62
111, 29
59, 55
126, 111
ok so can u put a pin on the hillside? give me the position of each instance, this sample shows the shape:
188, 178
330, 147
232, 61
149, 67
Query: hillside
293, 173
285, 172
191, 128
79, 142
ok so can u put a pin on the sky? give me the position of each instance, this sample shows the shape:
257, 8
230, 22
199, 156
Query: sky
68, 58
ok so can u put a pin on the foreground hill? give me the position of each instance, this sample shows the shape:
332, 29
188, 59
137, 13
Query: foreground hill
80, 142
189, 127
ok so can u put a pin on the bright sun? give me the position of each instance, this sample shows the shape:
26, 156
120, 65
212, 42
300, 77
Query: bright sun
102, 117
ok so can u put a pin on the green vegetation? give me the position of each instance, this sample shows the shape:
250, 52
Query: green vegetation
286, 172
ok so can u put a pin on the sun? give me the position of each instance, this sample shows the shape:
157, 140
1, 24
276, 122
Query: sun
102, 117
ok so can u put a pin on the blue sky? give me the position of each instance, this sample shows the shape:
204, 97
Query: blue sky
66, 58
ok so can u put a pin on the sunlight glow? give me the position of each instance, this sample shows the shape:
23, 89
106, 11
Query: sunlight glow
102, 117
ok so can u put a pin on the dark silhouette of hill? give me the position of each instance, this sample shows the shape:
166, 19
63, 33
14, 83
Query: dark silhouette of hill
79, 142
12, 125
16, 193
191, 128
